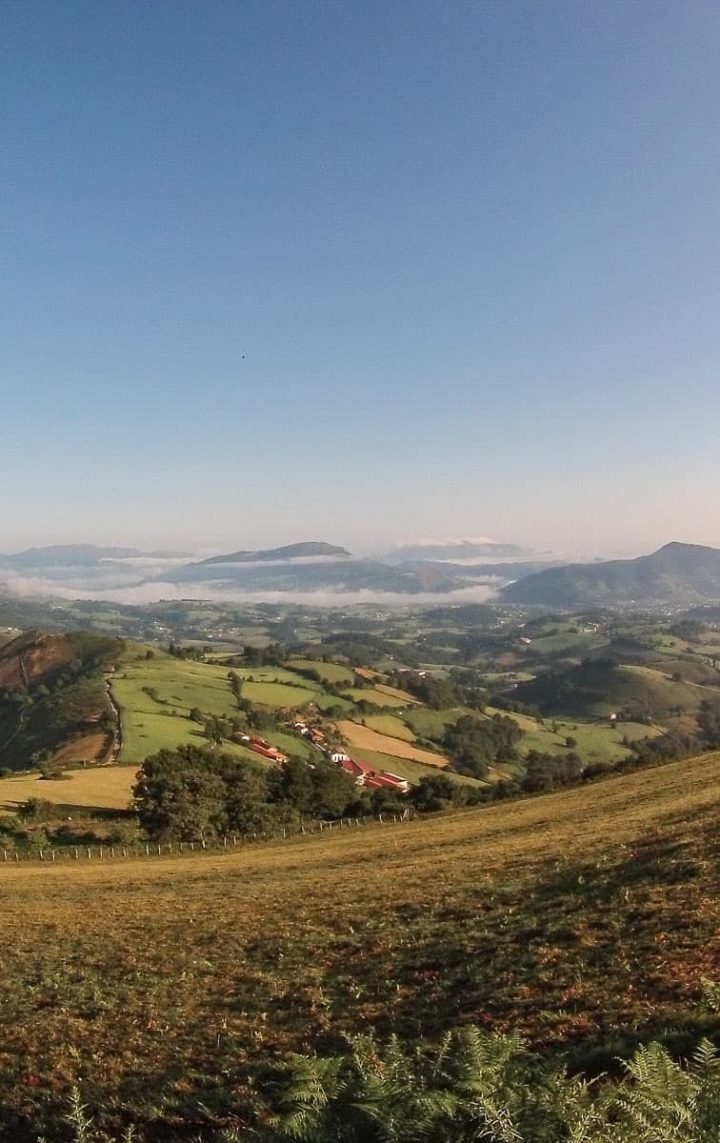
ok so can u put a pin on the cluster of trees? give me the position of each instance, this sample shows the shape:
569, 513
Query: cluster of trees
190, 794
274, 655
474, 744
458, 689
708, 720
546, 772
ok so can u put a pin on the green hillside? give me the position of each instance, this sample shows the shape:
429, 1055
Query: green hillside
53, 692
600, 687
676, 573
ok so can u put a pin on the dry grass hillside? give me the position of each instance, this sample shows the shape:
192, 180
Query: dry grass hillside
587, 919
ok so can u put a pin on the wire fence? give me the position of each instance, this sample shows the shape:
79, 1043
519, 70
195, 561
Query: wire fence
226, 842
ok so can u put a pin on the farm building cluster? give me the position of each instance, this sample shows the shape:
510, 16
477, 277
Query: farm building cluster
362, 774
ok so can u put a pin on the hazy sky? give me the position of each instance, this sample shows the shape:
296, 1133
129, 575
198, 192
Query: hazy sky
358, 271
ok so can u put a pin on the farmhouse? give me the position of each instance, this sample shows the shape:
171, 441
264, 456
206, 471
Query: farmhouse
260, 746
373, 779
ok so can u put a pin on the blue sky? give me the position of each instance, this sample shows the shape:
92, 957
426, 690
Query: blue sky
360, 272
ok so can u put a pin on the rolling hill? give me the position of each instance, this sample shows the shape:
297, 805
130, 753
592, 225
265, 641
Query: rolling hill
679, 574
585, 920
599, 687
309, 549
53, 696
311, 566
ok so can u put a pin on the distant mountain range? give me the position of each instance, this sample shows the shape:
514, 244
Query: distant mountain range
310, 566
310, 549
76, 555
455, 551
679, 574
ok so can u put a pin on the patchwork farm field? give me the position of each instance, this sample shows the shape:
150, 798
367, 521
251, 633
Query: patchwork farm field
357, 735
585, 919
156, 696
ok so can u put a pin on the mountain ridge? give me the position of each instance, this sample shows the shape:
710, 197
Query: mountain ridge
677, 573
306, 549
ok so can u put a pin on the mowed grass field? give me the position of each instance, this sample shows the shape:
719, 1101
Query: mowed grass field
585, 919
357, 735
107, 787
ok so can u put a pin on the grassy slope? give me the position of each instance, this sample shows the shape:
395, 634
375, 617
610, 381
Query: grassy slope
56, 718
376, 696
363, 736
597, 741
328, 672
98, 788
150, 724
598, 689
579, 917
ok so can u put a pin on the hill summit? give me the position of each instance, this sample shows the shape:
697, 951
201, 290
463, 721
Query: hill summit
677, 574
308, 549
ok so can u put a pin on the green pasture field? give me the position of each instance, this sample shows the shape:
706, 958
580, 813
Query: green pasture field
572, 644
432, 723
328, 672
150, 725
279, 694
145, 732
183, 684
692, 670
371, 694
597, 741
277, 675
389, 724
293, 744
586, 919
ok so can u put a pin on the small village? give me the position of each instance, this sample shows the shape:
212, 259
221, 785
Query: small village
362, 774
